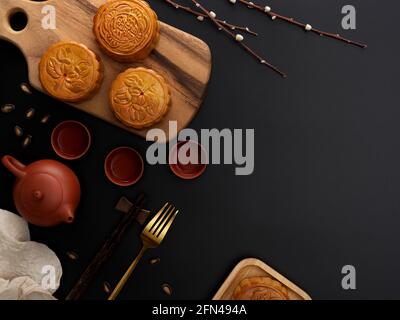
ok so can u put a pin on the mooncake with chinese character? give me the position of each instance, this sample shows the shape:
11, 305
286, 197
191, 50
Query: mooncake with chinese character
127, 30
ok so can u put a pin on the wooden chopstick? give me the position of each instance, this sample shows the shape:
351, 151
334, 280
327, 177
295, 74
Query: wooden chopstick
107, 249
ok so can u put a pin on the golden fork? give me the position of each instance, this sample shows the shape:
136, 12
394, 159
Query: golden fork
152, 236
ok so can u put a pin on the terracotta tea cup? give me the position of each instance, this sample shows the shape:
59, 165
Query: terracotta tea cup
190, 170
71, 140
124, 166
46, 192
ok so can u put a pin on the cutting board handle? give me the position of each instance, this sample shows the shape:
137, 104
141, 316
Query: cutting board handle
31, 9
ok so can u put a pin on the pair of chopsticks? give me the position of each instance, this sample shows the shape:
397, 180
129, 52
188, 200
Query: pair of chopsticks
135, 212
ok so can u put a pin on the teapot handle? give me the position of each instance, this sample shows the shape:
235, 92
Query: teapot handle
14, 166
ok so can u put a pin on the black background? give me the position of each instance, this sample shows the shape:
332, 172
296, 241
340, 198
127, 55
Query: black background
325, 188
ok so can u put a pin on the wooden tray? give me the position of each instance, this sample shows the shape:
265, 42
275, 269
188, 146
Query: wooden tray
184, 60
255, 268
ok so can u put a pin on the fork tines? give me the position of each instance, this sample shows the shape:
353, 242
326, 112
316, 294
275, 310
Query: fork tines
162, 221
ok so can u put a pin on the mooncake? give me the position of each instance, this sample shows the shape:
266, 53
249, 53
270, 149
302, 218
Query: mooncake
127, 30
260, 288
139, 97
70, 72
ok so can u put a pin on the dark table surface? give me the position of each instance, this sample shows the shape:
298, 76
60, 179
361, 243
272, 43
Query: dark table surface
324, 193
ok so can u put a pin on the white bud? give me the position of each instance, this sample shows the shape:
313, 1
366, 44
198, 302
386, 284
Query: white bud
232, 1
213, 14
308, 27
239, 37
200, 18
267, 9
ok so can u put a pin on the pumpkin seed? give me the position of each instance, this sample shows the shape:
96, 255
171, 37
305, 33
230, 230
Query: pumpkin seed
18, 131
154, 261
7, 108
72, 255
26, 88
106, 287
30, 113
27, 141
167, 289
45, 119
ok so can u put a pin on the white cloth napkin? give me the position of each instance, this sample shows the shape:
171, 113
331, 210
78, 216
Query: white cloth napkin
28, 270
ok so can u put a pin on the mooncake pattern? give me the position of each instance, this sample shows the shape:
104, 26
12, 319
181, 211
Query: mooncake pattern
139, 97
70, 72
127, 30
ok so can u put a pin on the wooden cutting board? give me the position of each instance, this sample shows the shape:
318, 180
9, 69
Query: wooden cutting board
252, 267
184, 60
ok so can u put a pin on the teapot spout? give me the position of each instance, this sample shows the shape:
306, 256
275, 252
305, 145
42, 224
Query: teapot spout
68, 215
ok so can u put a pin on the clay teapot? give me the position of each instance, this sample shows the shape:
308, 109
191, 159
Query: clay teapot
46, 192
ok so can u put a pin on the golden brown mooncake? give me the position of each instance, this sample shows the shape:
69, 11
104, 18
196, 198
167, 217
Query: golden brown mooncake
70, 72
139, 97
127, 30
260, 288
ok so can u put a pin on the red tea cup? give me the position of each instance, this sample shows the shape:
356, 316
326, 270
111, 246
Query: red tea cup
71, 140
124, 166
190, 170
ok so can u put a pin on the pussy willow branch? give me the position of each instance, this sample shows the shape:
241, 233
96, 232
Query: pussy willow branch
204, 16
237, 38
267, 10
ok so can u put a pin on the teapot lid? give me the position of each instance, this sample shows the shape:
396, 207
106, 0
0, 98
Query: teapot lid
40, 194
